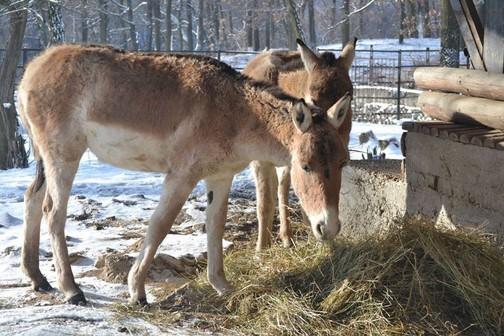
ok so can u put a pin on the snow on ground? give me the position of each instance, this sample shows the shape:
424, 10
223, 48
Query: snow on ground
100, 192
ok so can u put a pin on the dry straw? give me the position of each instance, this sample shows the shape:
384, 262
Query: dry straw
415, 280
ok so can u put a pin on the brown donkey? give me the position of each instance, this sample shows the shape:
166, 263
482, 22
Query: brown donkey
323, 81
189, 117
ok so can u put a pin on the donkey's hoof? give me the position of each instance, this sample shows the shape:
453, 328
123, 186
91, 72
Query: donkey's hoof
287, 242
141, 302
77, 299
43, 286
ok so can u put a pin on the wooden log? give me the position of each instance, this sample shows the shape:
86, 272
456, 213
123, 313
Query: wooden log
491, 142
467, 137
480, 140
444, 133
456, 134
462, 109
474, 83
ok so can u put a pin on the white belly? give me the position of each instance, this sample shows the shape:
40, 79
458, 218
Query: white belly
128, 149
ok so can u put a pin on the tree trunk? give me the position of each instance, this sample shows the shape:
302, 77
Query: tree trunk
311, 23
124, 26
201, 39
267, 30
55, 21
168, 34
255, 21
179, 27
345, 27
295, 24
413, 30
402, 14
12, 151
132, 28
450, 36
148, 17
230, 22
216, 23
103, 9
249, 29
84, 22
42, 21
190, 42
156, 11
334, 16
426, 18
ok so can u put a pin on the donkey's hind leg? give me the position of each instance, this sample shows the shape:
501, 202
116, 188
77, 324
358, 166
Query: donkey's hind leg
33, 199
60, 175
266, 182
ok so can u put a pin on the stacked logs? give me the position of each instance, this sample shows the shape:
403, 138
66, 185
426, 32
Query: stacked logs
475, 98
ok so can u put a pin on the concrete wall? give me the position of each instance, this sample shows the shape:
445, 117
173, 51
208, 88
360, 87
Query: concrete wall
455, 183
373, 196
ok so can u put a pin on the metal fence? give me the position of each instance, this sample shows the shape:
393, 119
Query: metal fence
384, 89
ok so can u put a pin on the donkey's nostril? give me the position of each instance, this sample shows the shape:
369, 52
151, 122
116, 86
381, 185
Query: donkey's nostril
320, 229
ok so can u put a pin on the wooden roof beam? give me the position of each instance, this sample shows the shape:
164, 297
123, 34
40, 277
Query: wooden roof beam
471, 29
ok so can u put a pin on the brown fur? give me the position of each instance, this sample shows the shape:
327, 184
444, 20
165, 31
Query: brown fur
325, 84
190, 117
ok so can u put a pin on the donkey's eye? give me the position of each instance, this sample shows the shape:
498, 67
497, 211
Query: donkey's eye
306, 168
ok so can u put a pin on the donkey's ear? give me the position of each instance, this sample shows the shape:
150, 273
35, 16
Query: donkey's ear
309, 58
301, 116
338, 112
348, 54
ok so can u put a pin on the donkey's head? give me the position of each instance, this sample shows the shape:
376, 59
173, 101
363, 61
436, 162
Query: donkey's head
318, 156
328, 78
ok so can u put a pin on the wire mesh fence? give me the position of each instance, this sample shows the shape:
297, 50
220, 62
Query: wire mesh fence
384, 89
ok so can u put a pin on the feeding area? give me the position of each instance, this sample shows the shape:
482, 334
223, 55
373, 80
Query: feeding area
251, 168
415, 279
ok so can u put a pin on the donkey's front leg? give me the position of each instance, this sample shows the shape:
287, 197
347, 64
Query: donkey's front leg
283, 174
175, 193
218, 193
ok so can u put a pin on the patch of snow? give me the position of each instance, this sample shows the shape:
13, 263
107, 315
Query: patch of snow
63, 320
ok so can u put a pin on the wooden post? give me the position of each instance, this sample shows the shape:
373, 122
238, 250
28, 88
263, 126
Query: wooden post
471, 29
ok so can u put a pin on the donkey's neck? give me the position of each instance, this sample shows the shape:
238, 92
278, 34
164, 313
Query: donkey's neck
267, 134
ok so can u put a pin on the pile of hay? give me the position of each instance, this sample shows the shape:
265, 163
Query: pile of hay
415, 280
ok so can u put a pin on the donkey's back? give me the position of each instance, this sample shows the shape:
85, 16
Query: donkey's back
134, 111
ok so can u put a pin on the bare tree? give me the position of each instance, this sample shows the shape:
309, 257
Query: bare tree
132, 27
311, 23
201, 32
84, 21
179, 27
402, 14
345, 28
168, 24
102, 10
12, 152
189, 10
55, 23
295, 24
148, 17
156, 11
450, 36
